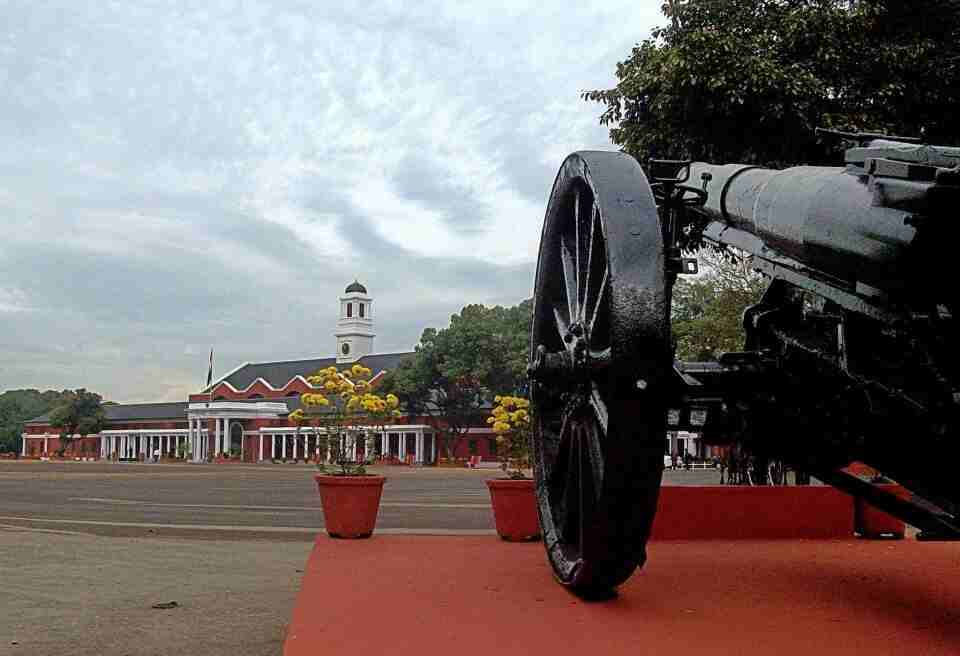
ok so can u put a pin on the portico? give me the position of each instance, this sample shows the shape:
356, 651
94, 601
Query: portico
228, 419
406, 442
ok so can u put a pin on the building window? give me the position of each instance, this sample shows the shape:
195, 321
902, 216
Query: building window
349, 310
361, 310
472, 445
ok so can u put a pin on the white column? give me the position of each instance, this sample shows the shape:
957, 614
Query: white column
260, 453
217, 447
402, 447
385, 444
283, 446
419, 447
243, 443
23, 444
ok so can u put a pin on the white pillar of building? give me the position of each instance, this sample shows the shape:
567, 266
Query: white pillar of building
419, 442
23, 444
217, 444
283, 446
260, 453
402, 446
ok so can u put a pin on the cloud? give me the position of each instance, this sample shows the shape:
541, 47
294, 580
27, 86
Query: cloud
181, 175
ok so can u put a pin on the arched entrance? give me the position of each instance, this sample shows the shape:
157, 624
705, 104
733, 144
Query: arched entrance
236, 438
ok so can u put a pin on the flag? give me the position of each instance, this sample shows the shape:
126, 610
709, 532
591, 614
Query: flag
210, 370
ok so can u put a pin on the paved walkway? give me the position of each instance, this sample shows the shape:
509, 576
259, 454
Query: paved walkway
465, 596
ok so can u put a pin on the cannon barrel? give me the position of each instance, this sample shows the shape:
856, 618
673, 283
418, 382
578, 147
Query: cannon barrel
826, 218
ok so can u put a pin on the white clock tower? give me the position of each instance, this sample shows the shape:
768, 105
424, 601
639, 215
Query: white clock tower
355, 325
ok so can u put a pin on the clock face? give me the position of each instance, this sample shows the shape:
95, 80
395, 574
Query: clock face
345, 349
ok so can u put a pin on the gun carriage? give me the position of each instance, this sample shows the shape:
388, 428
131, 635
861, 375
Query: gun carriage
849, 355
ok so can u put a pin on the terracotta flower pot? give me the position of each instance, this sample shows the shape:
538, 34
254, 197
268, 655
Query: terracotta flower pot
514, 509
350, 504
871, 523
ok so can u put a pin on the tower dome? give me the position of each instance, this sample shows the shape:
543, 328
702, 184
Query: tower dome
355, 286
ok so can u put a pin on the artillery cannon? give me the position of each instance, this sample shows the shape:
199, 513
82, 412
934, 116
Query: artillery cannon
848, 356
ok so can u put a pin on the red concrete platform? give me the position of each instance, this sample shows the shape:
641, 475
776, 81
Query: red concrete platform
462, 596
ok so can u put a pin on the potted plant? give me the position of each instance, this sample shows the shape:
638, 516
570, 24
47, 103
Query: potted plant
513, 497
345, 408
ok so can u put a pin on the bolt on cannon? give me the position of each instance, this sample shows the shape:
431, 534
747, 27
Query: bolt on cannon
849, 355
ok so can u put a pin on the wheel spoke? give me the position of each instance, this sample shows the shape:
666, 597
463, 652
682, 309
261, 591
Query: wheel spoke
599, 407
571, 488
569, 278
591, 477
597, 309
595, 244
562, 322
582, 216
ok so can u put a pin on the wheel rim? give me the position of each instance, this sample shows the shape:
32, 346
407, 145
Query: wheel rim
592, 340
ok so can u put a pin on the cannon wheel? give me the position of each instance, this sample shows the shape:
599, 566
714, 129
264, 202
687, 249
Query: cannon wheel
601, 361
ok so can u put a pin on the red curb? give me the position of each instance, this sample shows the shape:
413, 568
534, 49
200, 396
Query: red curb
752, 513
464, 596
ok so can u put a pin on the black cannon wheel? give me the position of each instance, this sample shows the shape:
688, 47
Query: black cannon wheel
600, 362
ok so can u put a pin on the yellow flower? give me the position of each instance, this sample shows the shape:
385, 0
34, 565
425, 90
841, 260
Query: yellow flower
392, 401
501, 427
491, 420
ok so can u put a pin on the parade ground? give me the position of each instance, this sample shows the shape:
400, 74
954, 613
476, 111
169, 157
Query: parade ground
276, 502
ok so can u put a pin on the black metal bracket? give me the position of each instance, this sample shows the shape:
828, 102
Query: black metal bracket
941, 525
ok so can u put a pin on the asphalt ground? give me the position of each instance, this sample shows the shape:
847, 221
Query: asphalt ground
274, 502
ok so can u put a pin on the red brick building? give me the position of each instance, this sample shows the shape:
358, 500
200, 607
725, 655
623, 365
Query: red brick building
243, 414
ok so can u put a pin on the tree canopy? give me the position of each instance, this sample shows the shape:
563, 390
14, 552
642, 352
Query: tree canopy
78, 412
707, 310
18, 406
749, 80
457, 370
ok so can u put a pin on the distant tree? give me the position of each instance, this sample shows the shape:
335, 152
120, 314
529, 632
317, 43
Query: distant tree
78, 412
749, 80
455, 370
708, 310
18, 406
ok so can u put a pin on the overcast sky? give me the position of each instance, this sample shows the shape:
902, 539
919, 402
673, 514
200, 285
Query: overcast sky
181, 175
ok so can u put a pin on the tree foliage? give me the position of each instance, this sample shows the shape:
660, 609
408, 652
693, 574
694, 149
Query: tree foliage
18, 406
707, 311
749, 80
456, 370
78, 412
